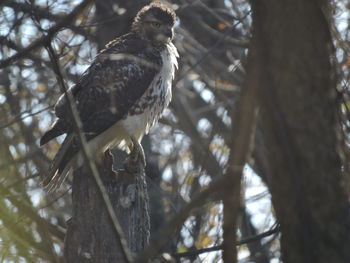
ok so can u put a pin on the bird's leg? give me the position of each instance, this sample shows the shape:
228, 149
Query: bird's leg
137, 154
137, 151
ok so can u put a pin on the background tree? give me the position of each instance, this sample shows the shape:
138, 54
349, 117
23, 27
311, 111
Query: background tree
297, 74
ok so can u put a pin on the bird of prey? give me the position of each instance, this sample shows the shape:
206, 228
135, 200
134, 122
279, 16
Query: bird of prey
121, 95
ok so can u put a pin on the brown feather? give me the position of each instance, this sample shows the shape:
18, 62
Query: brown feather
58, 128
56, 162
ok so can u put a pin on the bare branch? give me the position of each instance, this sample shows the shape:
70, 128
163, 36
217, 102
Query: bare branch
241, 148
44, 13
27, 210
20, 118
49, 34
220, 247
175, 222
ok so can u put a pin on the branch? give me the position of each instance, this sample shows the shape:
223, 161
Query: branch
241, 148
206, 52
167, 231
251, 239
27, 210
43, 13
20, 118
22, 159
49, 34
86, 153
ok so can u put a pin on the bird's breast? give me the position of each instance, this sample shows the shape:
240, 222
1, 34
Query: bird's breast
158, 95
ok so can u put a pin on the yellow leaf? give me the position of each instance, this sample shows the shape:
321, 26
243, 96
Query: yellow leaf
169, 188
222, 26
207, 241
189, 180
181, 249
203, 241
23, 93
347, 63
41, 87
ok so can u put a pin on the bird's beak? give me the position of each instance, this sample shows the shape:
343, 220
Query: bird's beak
165, 35
169, 33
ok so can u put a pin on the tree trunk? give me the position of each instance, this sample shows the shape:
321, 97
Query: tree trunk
293, 48
90, 235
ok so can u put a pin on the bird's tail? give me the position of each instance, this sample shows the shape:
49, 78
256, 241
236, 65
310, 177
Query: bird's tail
57, 128
61, 165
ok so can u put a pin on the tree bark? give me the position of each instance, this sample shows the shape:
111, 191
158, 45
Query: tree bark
90, 235
293, 47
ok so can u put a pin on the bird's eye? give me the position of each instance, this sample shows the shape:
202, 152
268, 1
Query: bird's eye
156, 24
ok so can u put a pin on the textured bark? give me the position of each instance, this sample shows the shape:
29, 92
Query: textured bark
293, 48
90, 235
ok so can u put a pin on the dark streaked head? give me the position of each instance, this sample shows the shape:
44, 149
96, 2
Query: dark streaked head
155, 23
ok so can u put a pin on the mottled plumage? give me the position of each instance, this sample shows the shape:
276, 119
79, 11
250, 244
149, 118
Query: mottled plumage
121, 95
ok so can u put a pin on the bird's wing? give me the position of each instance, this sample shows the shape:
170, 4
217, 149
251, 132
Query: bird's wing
114, 82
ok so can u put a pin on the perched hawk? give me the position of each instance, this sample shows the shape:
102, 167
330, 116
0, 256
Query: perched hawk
121, 95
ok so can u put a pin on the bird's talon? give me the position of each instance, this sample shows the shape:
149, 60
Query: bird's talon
136, 156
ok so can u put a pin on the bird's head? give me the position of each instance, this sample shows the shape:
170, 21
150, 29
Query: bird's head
155, 23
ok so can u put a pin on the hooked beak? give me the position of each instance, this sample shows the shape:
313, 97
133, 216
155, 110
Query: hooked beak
169, 33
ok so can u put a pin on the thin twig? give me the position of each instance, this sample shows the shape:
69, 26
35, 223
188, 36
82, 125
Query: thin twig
20, 118
87, 156
219, 247
18, 181
222, 38
44, 13
20, 160
46, 38
55, 199
176, 222
26, 209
